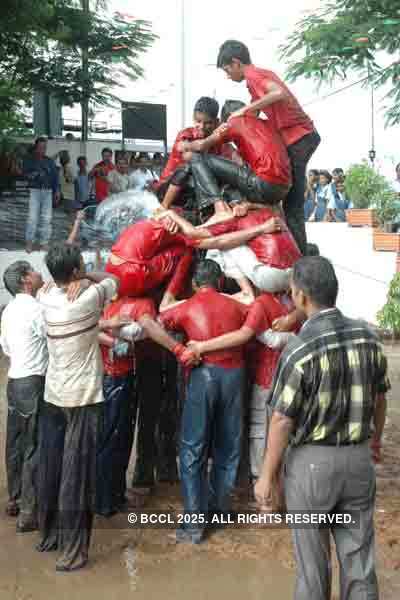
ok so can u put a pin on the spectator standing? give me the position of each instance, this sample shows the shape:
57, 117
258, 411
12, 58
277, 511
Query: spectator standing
43, 181
142, 176
82, 184
323, 195
23, 338
100, 174
311, 193
118, 179
328, 397
66, 181
72, 410
338, 202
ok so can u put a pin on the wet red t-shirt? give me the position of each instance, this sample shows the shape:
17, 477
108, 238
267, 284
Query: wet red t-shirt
260, 146
287, 116
133, 308
102, 186
142, 241
206, 315
262, 361
277, 250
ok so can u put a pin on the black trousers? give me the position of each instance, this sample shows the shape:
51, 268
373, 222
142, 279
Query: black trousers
293, 205
149, 383
211, 172
25, 398
67, 481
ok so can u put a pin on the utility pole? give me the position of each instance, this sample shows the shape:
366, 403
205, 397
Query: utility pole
85, 76
183, 65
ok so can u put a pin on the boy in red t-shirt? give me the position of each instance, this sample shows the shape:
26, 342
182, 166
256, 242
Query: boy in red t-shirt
119, 407
270, 95
262, 359
265, 177
212, 414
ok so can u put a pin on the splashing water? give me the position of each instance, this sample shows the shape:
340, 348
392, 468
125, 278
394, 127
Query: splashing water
103, 225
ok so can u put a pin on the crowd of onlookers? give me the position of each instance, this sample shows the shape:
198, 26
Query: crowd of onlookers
51, 184
325, 197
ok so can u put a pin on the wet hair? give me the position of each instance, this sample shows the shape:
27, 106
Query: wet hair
314, 172
338, 171
14, 275
326, 174
230, 107
233, 49
316, 278
207, 273
106, 150
61, 260
208, 106
39, 140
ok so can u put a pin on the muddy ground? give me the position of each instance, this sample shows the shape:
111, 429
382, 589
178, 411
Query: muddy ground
132, 563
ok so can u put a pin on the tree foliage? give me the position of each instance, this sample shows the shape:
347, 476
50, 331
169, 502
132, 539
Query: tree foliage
72, 49
350, 36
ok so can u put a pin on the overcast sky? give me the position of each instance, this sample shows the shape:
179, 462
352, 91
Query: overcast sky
344, 121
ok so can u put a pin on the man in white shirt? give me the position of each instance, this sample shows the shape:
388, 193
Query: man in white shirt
23, 338
73, 405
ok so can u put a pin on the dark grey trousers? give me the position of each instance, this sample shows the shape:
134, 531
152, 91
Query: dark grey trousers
67, 481
333, 479
25, 397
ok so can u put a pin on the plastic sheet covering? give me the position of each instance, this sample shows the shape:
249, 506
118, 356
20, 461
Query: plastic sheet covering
102, 225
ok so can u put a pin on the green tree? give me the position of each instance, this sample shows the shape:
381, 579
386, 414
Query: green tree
92, 53
359, 36
73, 49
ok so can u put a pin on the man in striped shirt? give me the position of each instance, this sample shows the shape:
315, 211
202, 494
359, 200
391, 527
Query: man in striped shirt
71, 415
328, 399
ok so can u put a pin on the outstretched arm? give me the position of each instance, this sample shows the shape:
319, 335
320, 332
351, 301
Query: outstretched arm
275, 93
238, 238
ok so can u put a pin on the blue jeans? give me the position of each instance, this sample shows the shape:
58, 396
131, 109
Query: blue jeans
115, 443
40, 216
212, 420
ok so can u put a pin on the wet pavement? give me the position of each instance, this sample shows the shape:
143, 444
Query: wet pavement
233, 564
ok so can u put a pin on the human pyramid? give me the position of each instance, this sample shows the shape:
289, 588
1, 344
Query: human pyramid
231, 210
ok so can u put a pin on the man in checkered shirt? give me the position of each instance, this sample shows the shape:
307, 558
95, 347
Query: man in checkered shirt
328, 401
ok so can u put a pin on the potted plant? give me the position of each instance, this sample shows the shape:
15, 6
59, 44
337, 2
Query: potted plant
389, 316
362, 184
385, 238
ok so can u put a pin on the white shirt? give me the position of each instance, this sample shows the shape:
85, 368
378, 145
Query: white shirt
140, 179
75, 373
23, 337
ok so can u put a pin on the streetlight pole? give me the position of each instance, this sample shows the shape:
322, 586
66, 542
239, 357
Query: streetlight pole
183, 65
372, 152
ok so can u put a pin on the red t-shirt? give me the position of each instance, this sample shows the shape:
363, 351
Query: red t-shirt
143, 240
286, 115
277, 250
134, 308
101, 185
206, 315
261, 147
262, 361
